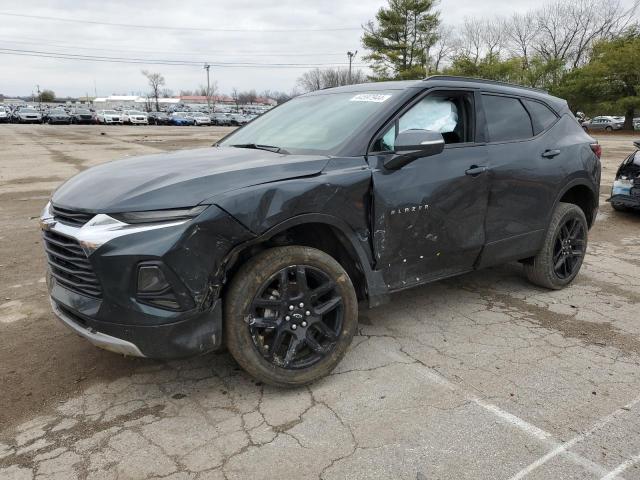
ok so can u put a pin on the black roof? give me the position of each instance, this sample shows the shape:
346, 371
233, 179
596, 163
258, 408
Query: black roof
452, 81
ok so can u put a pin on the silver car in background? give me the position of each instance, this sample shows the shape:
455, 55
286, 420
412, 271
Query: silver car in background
135, 117
604, 123
200, 118
109, 117
4, 115
27, 115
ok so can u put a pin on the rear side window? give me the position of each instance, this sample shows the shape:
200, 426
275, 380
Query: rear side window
543, 117
507, 119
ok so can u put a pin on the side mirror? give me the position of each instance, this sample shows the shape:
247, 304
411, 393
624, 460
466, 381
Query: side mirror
413, 144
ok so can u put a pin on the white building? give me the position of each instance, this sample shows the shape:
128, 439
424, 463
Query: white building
131, 102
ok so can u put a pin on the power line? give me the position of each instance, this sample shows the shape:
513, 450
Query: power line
8, 40
142, 61
170, 27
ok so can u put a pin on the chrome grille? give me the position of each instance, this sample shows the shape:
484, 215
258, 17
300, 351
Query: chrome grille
69, 264
70, 217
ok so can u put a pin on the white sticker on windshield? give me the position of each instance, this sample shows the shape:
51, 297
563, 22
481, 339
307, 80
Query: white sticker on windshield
370, 97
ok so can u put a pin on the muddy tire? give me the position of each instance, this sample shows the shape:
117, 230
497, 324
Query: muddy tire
290, 315
563, 250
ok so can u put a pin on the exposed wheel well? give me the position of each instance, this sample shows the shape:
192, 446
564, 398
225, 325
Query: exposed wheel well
583, 197
316, 235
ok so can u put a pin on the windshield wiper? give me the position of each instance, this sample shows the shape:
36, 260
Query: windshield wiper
269, 148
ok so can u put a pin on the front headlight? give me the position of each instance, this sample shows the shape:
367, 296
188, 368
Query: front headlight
159, 216
46, 211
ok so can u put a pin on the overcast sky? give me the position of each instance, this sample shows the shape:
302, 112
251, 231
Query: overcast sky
262, 34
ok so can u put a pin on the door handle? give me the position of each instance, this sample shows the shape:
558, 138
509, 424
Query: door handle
475, 170
550, 153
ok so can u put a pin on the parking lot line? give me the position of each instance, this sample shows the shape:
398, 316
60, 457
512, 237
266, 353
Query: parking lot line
562, 449
559, 448
621, 468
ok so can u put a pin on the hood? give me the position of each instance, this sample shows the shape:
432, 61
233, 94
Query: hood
178, 179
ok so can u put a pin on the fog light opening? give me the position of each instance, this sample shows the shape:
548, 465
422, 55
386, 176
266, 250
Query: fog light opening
151, 279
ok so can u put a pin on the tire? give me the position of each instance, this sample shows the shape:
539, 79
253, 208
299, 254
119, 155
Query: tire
247, 338
542, 270
608, 129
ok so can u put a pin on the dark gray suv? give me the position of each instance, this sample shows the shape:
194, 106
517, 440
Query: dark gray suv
270, 240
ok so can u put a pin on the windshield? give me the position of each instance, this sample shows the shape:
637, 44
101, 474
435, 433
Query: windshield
110, 112
58, 111
135, 112
27, 110
317, 123
82, 112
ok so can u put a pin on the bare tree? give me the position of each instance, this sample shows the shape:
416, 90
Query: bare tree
236, 97
318, 79
442, 50
494, 36
471, 39
247, 97
156, 82
480, 38
521, 30
311, 80
568, 30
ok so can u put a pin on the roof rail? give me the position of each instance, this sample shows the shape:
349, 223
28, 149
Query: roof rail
483, 80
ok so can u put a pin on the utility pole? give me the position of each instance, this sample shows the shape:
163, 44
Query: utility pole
207, 67
351, 55
39, 98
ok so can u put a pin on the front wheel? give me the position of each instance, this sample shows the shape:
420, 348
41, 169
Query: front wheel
563, 250
290, 315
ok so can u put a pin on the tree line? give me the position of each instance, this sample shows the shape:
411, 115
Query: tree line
586, 51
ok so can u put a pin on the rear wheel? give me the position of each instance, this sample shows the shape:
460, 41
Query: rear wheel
290, 315
608, 129
563, 250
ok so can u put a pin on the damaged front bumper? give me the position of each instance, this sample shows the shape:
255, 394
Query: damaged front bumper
624, 201
625, 193
94, 282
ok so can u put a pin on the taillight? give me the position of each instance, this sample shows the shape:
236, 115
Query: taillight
597, 149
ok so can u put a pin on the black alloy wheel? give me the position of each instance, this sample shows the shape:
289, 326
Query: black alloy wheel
569, 248
290, 314
296, 317
563, 249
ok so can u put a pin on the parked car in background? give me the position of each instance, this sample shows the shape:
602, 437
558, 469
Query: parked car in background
605, 123
237, 119
109, 117
57, 115
200, 118
134, 117
182, 119
82, 116
27, 115
221, 119
625, 193
4, 115
636, 123
158, 118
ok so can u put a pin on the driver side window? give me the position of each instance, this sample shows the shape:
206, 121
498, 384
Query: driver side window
446, 112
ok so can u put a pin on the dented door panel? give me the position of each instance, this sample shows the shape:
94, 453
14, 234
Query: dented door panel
429, 216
